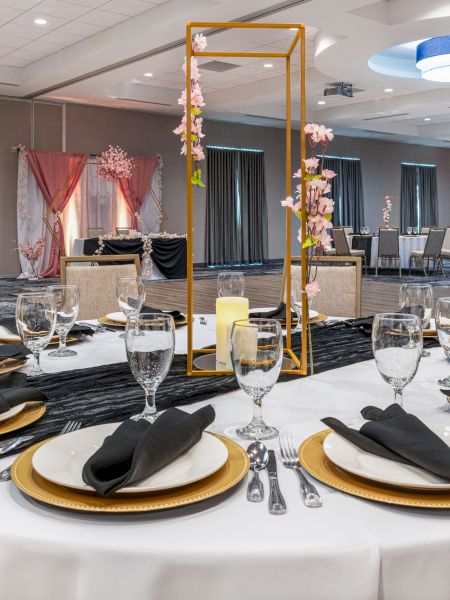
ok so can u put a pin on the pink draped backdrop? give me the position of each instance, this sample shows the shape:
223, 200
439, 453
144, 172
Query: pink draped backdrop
136, 188
57, 174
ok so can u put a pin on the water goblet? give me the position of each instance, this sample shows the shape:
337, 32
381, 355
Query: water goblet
443, 329
230, 283
257, 356
130, 296
67, 303
297, 299
397, 347
409, 230
417, 299
415, 230
36, 320
150, 344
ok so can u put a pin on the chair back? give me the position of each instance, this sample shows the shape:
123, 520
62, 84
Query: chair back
446, 244
340, 241
122, 231
348, 229
93, 232
388, 242
97, 283
424, 230
340, 285
435, 241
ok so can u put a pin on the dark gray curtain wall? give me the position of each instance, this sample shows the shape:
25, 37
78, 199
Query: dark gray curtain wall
236, 208
347, 191
408, 198
428, 203
253, 203
222, 227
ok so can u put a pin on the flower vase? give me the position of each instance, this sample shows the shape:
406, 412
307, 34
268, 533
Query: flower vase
33, 274
146, 269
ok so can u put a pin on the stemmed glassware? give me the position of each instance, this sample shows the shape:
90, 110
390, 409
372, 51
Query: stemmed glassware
36, 320
409, 230
257, 356
150, 344
415, 230
443, 329
297, 299
67, 303
417, 299
397, 347
130, 296
230, 283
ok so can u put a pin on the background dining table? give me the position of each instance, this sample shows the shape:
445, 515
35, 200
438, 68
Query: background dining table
350, 549
369, 243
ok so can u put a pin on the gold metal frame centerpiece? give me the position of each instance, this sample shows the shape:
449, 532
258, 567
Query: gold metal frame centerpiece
294, 365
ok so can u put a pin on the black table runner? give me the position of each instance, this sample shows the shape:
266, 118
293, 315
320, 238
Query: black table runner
168, 254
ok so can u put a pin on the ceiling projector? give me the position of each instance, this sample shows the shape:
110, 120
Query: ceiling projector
339, 89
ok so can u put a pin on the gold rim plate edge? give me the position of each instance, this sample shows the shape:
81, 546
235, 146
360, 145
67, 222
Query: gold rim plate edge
38, 488
109, 322
313, 459
22, 419
17, 364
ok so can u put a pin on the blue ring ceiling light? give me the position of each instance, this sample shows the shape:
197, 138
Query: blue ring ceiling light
433, 59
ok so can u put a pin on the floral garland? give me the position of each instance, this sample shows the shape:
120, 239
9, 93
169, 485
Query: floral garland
387, 210
197, 103
319, 208
114, 164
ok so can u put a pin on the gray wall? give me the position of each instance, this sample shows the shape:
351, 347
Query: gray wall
91, 129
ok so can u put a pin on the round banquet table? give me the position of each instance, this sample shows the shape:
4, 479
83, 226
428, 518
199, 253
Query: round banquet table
350, 549
407, 244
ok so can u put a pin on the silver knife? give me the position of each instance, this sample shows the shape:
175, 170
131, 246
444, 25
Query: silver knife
277, 504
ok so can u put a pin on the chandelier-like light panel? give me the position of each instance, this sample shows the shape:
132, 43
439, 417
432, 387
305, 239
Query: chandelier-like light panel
433, 58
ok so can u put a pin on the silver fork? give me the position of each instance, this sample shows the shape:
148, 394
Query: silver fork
70, 426
290, 460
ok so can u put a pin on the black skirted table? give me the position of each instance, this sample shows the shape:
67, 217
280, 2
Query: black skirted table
363, 242
168, 254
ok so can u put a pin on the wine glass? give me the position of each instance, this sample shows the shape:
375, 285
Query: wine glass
150, 344
397, 347
230, 283
257, 355
67, 303
415, 230
130, 296
36, 320
417, 299
443, 329
297, 299
409, 230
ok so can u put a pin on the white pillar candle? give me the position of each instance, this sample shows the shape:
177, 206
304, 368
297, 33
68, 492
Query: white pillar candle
228, 309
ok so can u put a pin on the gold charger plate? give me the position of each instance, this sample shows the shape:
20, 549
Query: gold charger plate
38, 488
430, 333
111, 323
22, 419
11, 364
313, 459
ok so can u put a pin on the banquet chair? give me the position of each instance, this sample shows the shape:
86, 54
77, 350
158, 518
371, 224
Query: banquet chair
339, 280
424, 230
97, 283
122, 231
348, 229
432, 251
341, 247
94, 232
388, 247
445, 252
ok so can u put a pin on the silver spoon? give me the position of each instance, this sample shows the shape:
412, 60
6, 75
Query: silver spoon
259, 457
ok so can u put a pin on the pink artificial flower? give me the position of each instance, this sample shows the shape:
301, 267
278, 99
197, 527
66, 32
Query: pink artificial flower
297, 174
328, 174
310, 128
326, 205
199, 43
311, 164
312, 289
289, 202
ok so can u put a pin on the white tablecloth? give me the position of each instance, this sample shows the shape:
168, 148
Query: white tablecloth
407, 244
349, 549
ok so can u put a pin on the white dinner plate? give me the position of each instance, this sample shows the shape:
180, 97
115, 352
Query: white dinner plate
61, 461
349, 457
12, 412
312, 313
118, 317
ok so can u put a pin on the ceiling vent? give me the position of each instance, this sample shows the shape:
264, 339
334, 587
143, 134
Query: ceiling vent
378, 132
219, 66
142, 101
266, 118
385, 117
11, 84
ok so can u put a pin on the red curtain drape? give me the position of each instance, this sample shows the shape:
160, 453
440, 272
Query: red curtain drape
136, 188
57, 174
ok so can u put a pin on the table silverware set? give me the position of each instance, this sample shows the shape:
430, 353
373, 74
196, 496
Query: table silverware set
263, 459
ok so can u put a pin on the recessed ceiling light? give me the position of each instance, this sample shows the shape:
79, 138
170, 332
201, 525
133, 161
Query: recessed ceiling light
388, 90
40, 21
148, 74
321, 102
268, 65
427, 119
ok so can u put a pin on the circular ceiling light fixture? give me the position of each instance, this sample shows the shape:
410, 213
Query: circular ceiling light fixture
433, 59
40, 21
148, 74
321, 102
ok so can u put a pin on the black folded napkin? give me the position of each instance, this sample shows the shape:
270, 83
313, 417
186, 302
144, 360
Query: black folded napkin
77, 330
397, 435
13, 351
176, 314
277, 313
10, 397
138, 449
